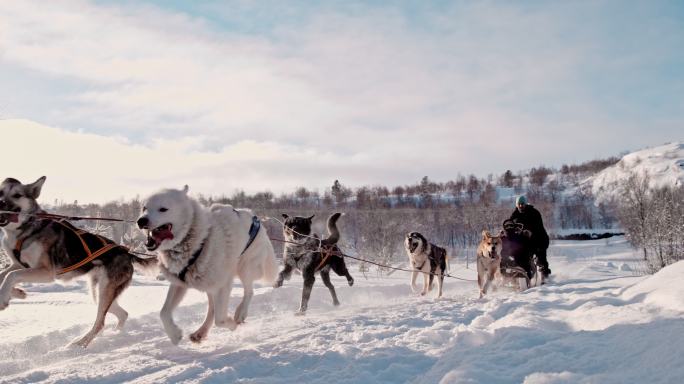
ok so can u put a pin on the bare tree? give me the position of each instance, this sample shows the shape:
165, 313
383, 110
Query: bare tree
634, 208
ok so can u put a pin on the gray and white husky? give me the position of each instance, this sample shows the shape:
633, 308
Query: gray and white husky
205, 249
41, 250
428, 259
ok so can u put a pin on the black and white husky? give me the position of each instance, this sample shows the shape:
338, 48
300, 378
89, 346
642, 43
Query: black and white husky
42, 250
206, 249
428, 259
308, 254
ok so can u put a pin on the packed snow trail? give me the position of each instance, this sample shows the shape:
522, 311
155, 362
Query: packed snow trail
597, 322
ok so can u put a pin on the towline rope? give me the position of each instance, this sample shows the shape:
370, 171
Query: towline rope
382, 265
44, 215
265, 218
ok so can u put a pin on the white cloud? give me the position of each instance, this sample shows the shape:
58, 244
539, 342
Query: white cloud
337, 72
369, 96
92, 168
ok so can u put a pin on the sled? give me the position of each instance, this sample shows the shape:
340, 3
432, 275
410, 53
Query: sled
516, 254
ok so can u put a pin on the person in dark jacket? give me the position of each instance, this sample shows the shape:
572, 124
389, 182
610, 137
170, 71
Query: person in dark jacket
531, 218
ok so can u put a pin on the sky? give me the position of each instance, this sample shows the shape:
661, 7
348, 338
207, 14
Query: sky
115, 99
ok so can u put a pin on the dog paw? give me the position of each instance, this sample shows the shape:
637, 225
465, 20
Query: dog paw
78, 345
240, 317
120, 325
81, 343
18, 293
175, 335
350, 281
336, 303
198, 336
227, 323
278, 284
300, 313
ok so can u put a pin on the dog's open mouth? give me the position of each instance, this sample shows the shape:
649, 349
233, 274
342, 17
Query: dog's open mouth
413, 245
6, 218
157, 235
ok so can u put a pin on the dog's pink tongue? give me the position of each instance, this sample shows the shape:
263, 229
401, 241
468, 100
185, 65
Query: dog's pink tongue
14, 218
164, 234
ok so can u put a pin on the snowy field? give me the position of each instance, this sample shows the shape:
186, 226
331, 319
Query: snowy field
595, 323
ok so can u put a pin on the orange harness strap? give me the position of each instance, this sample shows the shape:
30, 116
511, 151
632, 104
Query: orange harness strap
18, 245
106, 247
17, 252
327, 252
91, 255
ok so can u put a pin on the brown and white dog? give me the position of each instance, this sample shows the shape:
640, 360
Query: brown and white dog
428, 259
488, 261
44, 250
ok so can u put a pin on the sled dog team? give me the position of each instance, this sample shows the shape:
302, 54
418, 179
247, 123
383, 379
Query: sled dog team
198, 247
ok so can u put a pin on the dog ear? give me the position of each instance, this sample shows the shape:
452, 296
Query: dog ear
34, 189
310, 217
502, 233
186, 189
485, 234
285, 216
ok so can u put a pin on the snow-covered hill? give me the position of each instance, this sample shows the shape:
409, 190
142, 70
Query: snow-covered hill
597, 322
664, 166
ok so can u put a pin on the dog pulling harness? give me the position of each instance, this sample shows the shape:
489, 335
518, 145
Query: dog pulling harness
422, 265
327, 251
87, 241
253, 231
430, 257
20, 243
192, 261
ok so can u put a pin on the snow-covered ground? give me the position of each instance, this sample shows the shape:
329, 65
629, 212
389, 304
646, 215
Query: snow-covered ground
596, 323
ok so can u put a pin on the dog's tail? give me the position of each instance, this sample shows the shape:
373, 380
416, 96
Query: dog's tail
333, 232
148, 266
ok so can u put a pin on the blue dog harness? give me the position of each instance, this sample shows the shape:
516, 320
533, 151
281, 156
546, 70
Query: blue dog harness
253, 231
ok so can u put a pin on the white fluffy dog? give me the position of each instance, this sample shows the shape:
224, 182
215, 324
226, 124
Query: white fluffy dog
205, 248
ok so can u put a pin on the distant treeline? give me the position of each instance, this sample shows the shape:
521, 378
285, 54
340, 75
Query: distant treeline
452, 213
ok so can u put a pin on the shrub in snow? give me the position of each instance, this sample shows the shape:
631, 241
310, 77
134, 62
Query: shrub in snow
654, 220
